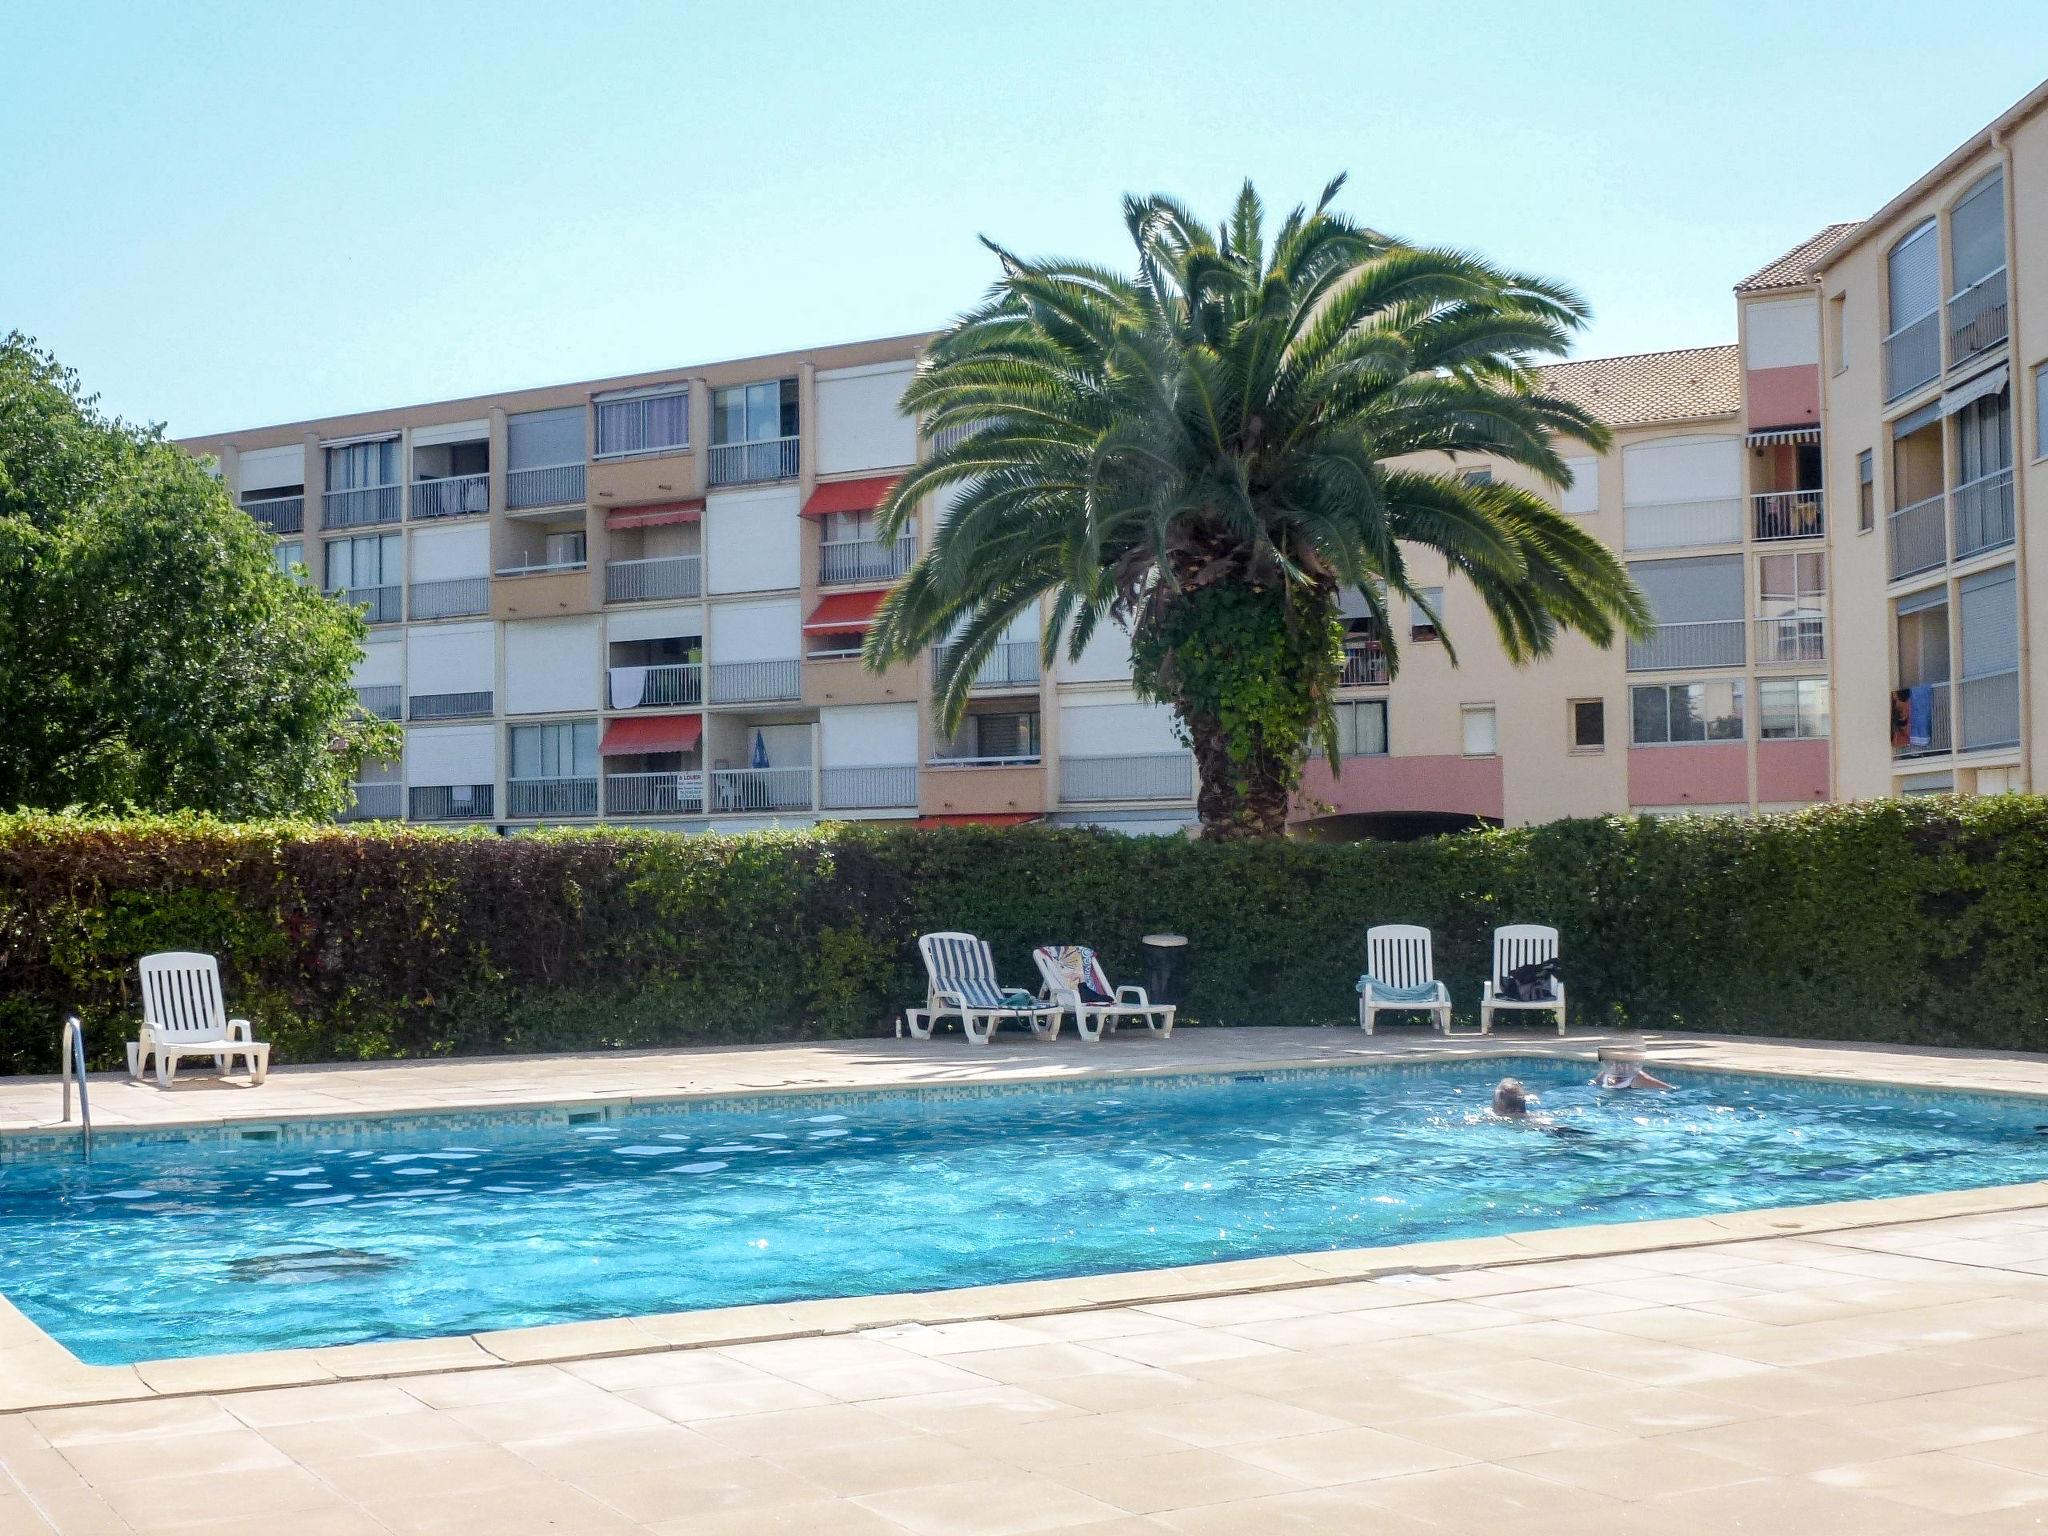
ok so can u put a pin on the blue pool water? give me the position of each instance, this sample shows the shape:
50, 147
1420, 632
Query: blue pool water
336, 1235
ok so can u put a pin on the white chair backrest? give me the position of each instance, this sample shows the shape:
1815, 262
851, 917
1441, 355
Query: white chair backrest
1066, 966
959, 962
1520, 944
1398, 955
181, 996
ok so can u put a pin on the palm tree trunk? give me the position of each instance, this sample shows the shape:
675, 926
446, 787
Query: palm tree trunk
1234, 800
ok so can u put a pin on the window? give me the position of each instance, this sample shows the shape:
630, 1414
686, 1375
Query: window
1588, 719
288, 553
1792, 708
754, 413
849, 527
1362, 728
1866, 491
1480, 476
1424, 609
1988, 624
1007, 736
1791, 607
1698, 604
1838, 335
643, 422
559, 749
358, 466
1479, 730
363, 564
1976, 236
2041, 410
1685, 712
1912, 345
1582, 496
564, 549
544, 439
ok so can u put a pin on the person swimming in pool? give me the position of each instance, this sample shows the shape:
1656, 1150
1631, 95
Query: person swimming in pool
1511, 1103
1622, 1075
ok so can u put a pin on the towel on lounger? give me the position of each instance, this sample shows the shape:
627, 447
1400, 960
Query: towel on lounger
1377, 991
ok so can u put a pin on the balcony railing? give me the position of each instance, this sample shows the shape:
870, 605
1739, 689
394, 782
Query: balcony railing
1787, 515
457, 597
664, 686
544, 568
954, 436
739, 790
1012, 664
364, 507
755, 682
384, 801
1991, 711
1707, 643
451, 706
1919, 542
639, 581
386, 701
551, 485
1938, 735
1977, 318
1912, 355
454, 496
654, 794
1679, 524
1982, 511
551, 797
1365, 665
280, 514
841, 561
945, 756
380, 605
1138, 776
451, 802
869, 789
1791, 637
772, 458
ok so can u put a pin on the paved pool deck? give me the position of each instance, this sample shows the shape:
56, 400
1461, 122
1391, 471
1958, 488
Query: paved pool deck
1878, 1366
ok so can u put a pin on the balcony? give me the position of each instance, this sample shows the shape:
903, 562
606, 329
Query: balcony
1991, 711
551, 797
1786, 515
1912, 355
451, 706
551, 485
544, 568
1917, 538
383, 801
1139, 776
755, 682
654, 794
737, 791
1681, 524
891, 788
1791, 638
1675, 647
660, 687
640, 581
1938, 734
1982, 512
452, 802
1365, 665
383, 701
1011, 664
451, 496
1977, 318
460, 597
773, 458
280, 514
844, 562
380, 605
364, 507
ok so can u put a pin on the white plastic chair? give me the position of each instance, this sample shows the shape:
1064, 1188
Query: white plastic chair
1064, 967
960, 972
1515, 945
1397, 955
183, 1015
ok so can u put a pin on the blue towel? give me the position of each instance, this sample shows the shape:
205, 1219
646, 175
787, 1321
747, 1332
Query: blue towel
1379, 992
1920, 715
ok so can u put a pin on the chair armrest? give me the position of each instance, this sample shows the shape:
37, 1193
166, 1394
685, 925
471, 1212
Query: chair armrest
956, 1002
1486, 990
1130, 992
239, 1029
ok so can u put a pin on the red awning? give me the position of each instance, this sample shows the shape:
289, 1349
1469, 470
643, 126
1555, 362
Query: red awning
655, 514
651, 733
980, 819
843, 612
849, 495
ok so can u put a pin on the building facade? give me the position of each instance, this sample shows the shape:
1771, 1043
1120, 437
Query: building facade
642, 599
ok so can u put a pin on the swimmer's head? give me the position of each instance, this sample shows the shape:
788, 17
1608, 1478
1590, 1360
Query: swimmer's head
1510, 1097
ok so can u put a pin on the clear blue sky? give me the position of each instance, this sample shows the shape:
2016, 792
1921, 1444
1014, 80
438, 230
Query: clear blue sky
224, 215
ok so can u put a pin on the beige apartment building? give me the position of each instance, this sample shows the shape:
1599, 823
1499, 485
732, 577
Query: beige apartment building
641, 599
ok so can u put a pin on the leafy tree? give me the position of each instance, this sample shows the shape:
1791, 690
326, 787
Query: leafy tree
151, 654
1209, 451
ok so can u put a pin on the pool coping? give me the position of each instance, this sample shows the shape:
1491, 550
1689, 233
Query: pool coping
36, 1371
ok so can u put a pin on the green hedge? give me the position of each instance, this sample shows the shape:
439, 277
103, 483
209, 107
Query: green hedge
1923, 921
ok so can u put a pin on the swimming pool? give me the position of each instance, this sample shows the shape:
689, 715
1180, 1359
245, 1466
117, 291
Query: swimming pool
350, 1232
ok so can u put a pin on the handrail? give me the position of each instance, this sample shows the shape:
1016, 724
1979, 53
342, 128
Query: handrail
73, 1052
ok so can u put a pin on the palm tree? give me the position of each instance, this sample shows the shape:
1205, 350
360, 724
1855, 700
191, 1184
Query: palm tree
1211, 450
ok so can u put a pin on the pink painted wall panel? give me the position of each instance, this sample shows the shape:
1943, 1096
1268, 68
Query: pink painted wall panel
1784, 397
1789, 771
1469, 786
1708, 773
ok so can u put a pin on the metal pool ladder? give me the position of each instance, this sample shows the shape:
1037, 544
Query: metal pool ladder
73, 1050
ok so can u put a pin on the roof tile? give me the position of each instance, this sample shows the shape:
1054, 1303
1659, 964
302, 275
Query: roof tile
1802, 263
1684, 385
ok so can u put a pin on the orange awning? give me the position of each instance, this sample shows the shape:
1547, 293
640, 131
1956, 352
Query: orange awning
843, 612
651, 733
979, 819
655, 514
849, 495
